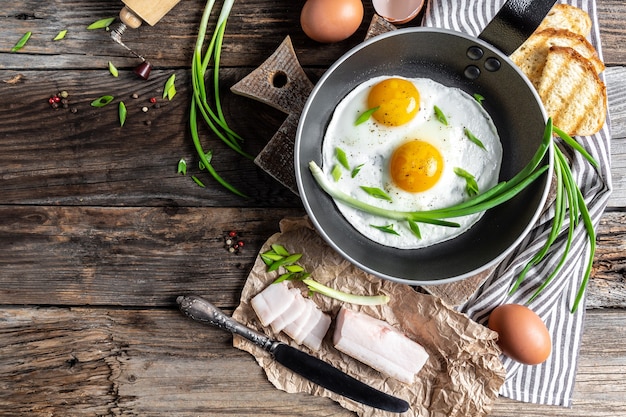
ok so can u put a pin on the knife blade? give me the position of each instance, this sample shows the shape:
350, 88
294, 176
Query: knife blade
308, 366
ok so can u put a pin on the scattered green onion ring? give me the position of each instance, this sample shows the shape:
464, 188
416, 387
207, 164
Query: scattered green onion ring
341, 156
60, 35
473, 138
169, 91
101, 24
182, 167
114, 72
364, 117
376, 192
388, 228
122, 113
440, 116
102, 101
20, 44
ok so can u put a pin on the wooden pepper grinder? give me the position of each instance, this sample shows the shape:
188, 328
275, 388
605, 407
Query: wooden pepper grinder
150, 11
132, 15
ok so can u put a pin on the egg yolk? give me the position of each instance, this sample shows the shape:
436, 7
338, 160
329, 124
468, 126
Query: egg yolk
416, 166
397, 101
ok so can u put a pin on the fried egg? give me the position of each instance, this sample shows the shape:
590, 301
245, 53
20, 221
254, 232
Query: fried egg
409, 145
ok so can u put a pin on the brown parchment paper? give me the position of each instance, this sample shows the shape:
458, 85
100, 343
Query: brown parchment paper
462, 376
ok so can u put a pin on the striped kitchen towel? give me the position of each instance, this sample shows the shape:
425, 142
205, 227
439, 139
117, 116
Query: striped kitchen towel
553, 381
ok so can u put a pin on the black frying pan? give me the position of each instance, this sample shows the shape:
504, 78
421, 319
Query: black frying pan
454, 59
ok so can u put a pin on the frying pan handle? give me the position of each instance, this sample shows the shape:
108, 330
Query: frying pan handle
514, 23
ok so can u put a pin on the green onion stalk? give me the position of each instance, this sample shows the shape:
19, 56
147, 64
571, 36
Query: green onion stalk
569, 202
200, 106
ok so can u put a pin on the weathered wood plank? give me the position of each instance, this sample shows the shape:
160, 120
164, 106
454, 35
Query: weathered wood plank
60, 157
86, 361
127, 256
616, 91
611, 17
607, 288
125, 362
64, 255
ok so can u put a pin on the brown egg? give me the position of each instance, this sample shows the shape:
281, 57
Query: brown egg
328, 21
522, 335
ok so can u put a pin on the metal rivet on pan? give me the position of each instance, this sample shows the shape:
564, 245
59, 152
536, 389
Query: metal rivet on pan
492, 64
474, 52
472, 72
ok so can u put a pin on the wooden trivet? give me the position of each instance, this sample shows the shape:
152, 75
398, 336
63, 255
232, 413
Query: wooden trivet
280, 82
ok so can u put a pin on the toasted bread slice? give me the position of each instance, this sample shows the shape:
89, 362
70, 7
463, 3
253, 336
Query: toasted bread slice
564, 16
572, 93
531, 55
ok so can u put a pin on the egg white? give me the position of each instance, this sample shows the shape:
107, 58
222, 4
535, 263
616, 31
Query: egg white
371, 144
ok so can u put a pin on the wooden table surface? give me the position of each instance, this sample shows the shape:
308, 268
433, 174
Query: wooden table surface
99, 234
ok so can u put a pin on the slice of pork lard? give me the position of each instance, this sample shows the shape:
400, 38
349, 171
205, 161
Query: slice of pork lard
379, 345
293, 311
272, 302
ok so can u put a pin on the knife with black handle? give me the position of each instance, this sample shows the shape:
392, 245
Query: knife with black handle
310, 367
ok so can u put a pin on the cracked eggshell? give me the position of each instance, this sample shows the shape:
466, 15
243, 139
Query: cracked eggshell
398, 11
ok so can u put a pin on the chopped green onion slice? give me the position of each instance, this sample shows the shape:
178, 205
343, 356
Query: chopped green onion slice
197, 181
102, 101
287, 260
270, 258
280, 250
207, 156
479, 98
101, 24
388, 228
60, 35
364, 117
122, 113
294, 268
415, 229
182, 166
440, 116
342, 158
291, 276
169, 90
473, 138
471, 186
336, 172
376, 192
20, 44
114, 72
356, 170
